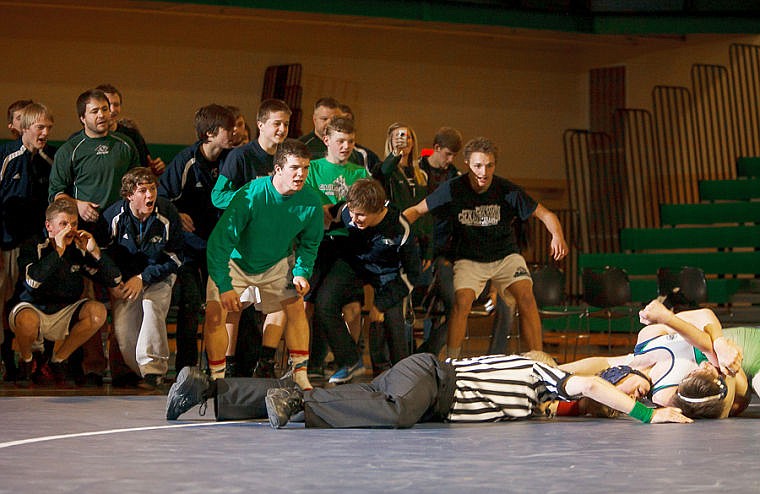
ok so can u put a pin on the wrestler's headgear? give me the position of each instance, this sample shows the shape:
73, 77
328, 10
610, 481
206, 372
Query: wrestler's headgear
614, 375
722, 392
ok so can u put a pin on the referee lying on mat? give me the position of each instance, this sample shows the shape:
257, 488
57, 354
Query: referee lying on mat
417, 389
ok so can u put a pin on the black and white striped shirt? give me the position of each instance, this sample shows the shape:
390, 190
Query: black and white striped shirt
503, 387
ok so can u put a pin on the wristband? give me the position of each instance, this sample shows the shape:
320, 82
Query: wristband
642, 412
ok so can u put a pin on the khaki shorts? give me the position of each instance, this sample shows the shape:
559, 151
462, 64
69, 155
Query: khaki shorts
53, 327
474, 275
266, 291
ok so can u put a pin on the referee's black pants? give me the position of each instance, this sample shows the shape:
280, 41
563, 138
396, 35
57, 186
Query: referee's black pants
399, 397
405, 394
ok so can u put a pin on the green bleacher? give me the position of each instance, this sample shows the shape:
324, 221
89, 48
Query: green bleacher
709, 214
648, 264
730, 190
748, 167
722, 238
718, 237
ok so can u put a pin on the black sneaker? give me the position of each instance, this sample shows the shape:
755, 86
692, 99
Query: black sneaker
60, 373
191, 388
10, 369
264, 369
24, 373
282, 403
231, 368
316, 371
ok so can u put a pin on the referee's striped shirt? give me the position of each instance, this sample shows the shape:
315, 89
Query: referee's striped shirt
503, 387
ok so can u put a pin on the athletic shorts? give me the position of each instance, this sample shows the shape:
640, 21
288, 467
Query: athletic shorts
748, 338
53, 327
266, 291
474, 275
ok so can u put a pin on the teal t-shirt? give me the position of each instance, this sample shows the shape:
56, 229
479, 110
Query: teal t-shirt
260, 227
332, 181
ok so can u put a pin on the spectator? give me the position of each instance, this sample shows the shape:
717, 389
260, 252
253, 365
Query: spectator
146, 243
242, 165
266, 241
482, 207
254, 159
241, 132
24, 176
129, 128
325, 109
439, 168
14, 116
188, 182
49, 304
361, 155
89, 166
380, 251
331, 177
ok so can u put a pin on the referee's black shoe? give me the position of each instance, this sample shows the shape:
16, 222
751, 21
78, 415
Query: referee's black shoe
191, 388
282, 403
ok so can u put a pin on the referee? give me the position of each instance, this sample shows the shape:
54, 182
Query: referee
419, 388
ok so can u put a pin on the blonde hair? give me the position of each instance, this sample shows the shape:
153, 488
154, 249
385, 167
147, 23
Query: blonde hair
33, 112
414, 157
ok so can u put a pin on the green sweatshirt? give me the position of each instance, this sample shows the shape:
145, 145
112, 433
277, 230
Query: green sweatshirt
260, 227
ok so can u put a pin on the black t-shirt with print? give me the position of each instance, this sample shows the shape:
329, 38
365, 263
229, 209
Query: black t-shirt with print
482, 223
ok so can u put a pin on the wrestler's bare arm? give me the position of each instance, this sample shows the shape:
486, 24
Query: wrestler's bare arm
593, 365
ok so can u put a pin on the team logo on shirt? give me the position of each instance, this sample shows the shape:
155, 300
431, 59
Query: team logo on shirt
481, 216
102, 149
337, 189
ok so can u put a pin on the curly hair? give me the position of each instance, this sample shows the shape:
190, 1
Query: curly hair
134, 177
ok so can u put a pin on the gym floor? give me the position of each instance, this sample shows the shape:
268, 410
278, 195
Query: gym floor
106, 442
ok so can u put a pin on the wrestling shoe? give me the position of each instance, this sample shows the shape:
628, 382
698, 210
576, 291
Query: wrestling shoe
282, 403
60, 374
24, 373
191, 388
346, 373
